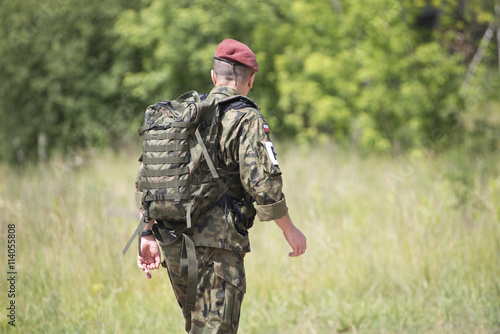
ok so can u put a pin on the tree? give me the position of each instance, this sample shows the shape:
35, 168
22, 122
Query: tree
59, 86
327, 70
380, 77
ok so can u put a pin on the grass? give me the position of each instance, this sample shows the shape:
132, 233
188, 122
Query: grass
394, 246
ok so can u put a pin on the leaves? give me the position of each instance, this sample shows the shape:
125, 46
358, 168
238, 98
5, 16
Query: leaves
368, 75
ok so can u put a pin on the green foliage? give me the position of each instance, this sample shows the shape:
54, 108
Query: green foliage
327, 71
58, 83
376, 87
80, 74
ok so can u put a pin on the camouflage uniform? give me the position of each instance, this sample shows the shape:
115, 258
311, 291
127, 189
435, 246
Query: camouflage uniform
220, 235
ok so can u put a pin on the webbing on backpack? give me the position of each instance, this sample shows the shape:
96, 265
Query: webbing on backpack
166, 135
166, 172
166, 160
163, 148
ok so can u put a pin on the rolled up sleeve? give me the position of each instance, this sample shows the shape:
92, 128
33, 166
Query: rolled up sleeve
259, 171
276, 210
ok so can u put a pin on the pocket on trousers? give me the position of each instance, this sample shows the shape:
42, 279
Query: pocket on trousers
233, 298
231, 269
166, 237
170, 245
226, 300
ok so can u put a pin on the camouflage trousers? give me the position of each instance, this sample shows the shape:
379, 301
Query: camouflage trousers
220, 290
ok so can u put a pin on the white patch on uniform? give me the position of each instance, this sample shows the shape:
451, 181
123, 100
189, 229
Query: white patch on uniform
271, 153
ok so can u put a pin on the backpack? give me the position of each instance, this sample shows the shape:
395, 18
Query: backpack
181, 177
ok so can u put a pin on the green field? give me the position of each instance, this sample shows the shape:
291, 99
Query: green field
395, 245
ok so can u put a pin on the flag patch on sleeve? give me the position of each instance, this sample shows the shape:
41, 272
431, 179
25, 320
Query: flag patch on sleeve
266, 128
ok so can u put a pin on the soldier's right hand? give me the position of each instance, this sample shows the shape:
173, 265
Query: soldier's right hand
150, 259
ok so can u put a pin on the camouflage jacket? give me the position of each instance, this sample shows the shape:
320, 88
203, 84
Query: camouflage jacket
245, 147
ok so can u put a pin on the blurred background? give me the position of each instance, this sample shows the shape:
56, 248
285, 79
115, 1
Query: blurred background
384, 75
385, 116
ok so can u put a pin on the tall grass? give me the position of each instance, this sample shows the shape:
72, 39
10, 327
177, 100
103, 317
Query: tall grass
392, 248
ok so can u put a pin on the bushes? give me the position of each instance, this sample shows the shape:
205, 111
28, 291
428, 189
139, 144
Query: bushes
371, 77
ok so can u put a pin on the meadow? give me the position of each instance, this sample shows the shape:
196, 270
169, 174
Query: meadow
395, 245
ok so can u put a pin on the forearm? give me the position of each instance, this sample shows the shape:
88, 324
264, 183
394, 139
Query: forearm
285, 223
293, 235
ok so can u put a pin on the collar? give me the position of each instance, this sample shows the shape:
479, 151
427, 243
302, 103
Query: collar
224, 91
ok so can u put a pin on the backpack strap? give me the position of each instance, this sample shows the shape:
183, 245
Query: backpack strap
149, 125
210, 163
236, 102
142, 223
189, 266
177, 103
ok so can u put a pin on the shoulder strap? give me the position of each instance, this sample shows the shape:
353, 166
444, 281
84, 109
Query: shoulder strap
236, 102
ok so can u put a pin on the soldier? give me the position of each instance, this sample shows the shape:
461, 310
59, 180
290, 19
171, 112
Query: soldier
221, 235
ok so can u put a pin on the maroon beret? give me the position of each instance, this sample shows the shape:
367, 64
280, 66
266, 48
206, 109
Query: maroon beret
236, 52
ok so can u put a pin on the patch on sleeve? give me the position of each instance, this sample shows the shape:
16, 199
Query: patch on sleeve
266, 128
271, 153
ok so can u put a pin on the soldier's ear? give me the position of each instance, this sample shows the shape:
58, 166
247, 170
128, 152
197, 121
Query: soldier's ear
214, 79
250, 80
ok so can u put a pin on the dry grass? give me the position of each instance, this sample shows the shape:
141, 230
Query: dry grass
389, 250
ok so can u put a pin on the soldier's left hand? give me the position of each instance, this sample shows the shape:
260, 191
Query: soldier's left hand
296, 240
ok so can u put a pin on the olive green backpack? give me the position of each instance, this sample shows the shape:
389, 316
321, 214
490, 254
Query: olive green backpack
180, 179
